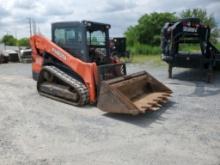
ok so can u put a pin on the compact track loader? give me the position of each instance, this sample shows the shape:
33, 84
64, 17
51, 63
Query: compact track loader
76, 68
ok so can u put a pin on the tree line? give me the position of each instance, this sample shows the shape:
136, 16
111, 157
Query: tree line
148, 29
10, 40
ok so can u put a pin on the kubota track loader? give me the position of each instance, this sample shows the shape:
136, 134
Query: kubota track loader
76, 68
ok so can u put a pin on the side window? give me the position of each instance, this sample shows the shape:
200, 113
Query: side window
67, 35
70, 36
96, 38
88, 37
59, 35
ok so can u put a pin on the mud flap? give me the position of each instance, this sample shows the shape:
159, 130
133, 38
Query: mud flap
132, 94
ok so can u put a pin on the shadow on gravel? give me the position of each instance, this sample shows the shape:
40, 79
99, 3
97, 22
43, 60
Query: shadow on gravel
195, 75
199, 78
143, 120
206, 90
191, 75
200, 91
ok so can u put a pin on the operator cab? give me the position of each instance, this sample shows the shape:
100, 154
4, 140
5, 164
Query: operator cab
86, 40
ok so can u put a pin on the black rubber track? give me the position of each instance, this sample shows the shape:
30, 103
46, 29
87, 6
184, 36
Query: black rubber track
78, 86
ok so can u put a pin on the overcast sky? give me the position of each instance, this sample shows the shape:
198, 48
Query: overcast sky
119, 13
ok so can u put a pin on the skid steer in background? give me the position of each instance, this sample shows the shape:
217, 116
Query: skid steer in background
25, 56
118, 47
3, 58
189, 31
76, 68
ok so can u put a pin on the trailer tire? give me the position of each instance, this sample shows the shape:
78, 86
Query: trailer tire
170, 71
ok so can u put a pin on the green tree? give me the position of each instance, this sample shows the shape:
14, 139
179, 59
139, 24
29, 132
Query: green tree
9, 40
23, 42
131, 35
148, 29
205, 18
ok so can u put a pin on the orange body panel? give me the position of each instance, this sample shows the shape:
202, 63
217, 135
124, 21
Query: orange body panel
87, 71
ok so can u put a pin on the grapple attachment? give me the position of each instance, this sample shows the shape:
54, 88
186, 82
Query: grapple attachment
132, 94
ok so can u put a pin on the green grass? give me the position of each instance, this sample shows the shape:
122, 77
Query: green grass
218, 46
144, 49
151, 54
190, 48
140, 59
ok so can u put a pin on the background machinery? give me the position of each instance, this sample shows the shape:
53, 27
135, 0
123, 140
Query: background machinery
3, 58
25, 55
76, 68
9, 56
118, 47
192, 32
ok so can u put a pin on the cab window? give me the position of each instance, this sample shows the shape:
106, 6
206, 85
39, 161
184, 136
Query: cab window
65, 36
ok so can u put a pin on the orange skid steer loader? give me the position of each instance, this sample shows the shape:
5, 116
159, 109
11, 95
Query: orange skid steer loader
76, 67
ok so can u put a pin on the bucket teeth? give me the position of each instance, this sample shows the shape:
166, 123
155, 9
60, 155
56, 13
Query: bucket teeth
155, 103
155, 109
150, 107
167, 94
159, 101
162, 100
152, 102
145, 108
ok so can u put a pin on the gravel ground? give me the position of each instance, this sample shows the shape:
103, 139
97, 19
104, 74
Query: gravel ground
37, 130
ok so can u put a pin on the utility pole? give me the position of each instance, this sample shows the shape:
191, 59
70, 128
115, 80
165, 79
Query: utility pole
30, 25
34, 26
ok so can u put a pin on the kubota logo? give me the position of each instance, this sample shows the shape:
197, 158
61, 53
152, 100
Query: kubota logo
59, 53
190, 29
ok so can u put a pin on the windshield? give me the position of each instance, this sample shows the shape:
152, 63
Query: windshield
96, 38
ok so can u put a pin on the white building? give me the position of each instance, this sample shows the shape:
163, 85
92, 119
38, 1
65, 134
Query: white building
15, 48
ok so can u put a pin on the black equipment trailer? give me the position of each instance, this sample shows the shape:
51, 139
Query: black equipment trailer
189, 31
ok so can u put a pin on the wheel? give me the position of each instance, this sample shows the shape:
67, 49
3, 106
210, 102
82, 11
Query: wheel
48, 76
210, 75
